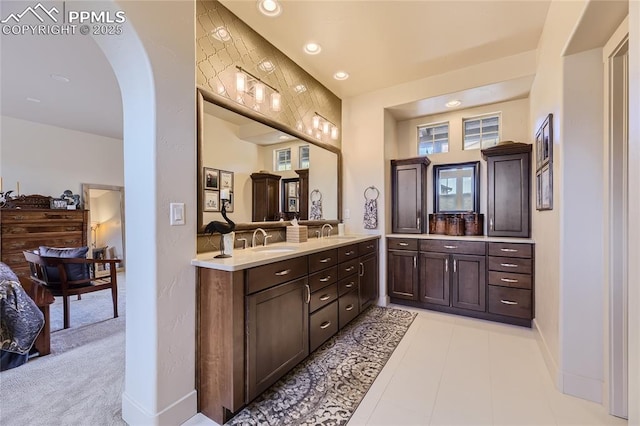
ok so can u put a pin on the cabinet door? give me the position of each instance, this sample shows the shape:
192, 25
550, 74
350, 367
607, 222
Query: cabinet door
468, 282
403, 274
368, 280
408, 198
434, 278
277, 333
508, 195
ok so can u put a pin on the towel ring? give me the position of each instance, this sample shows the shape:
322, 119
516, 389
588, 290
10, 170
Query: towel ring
316, 193
373, 188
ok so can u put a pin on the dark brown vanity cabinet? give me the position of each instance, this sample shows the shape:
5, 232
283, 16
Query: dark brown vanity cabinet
323, 299
509, 189
402, 258
265, 190
368, 273
409, 195
511, 279
452, 273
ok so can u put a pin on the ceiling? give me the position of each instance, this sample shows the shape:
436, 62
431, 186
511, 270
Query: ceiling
379, 43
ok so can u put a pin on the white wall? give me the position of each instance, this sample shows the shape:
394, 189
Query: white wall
47, 160
514, 123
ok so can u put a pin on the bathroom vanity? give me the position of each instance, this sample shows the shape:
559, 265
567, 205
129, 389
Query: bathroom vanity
262, 311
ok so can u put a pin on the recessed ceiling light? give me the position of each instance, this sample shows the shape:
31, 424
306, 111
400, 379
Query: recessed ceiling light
37, 101
61, 78
299, 88
341, 75
221, 33
283, 137
312, 48
269, 8
266, 66
453, 104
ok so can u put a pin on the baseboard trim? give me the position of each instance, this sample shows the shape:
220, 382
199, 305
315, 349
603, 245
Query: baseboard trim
582, 387
175, 414
549, 361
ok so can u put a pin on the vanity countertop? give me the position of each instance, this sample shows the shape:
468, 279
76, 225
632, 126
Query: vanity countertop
484, 238
262, 255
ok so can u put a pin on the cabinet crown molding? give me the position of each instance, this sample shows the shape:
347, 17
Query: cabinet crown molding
505, 148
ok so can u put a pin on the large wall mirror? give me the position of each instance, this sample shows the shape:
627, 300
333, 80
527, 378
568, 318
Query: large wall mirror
234, 144
456, 187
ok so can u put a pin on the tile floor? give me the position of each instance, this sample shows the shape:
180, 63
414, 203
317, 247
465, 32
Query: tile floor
451, 370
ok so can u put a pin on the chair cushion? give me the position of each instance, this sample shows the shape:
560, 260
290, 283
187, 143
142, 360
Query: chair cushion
74, 272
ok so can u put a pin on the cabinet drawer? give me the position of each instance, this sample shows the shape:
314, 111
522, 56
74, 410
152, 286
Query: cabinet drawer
507, 279
454, 246
348, 308
402, 244
323, 278
510, 264
322, 260
348, 284
18, 243
513, 302
367, 247
50, 216
322, 325
510, 250
323, 297
347, 252
262, 277
347, 268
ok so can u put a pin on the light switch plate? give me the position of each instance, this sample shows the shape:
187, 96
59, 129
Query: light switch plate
176, 213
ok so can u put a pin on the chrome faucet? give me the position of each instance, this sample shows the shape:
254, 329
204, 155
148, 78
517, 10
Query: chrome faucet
244, 242
264, 237
328, 231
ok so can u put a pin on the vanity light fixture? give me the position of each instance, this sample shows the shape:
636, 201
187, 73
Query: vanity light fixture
324, 126
452, 104
312, 48
254, 86
341, 75
269, 8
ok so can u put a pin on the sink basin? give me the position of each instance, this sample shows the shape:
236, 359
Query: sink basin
281, 249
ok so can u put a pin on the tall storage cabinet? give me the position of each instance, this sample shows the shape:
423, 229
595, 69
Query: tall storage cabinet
265, 196
509, 189
409, 195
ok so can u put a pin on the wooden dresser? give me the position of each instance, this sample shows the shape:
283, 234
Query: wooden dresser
27, 229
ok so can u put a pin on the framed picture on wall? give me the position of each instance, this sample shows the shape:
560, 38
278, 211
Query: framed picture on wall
229, 207
226, 180
211, 201
210, 178
544, 142
544, 188
544, 164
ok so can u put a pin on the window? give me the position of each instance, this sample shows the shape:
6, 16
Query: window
304, 157
433, 138
481, 133
283, 159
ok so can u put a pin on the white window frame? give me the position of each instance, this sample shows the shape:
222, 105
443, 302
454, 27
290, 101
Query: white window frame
481, 144
433, 126
276, 160
300, 165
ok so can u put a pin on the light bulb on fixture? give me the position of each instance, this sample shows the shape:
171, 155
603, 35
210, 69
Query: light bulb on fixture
325, 127
259, 92
334, 133
241, 82
316, 121
275, 101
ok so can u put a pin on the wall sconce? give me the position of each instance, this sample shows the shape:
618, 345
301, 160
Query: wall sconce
326, 126
254, 86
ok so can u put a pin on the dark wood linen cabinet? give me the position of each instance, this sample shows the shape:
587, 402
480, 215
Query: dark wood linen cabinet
265, 189
509, 189
409, 195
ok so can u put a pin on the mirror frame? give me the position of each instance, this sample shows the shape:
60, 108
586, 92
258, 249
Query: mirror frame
203, 95
475, 165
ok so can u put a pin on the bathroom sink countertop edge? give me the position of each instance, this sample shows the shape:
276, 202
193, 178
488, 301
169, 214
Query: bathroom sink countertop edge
262, 255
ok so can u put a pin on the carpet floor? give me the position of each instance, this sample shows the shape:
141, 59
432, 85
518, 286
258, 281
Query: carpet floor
327, 387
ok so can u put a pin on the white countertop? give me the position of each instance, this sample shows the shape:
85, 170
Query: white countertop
484, 238
250, 257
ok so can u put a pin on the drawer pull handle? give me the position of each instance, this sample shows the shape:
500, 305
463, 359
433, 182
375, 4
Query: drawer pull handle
509, 250
508, 302
451, 247
446, 265
350, 252
401, 244
350, 285
325, 324
324, 280
285, 272
325, 260
370, 246
308, 293
325, 297
508, 280
350, 268
348, 308
509, 265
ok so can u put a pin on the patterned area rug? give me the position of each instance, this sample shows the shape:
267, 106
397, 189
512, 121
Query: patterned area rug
327, 387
